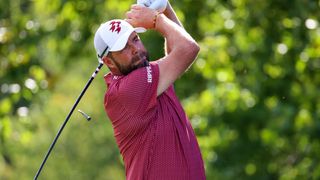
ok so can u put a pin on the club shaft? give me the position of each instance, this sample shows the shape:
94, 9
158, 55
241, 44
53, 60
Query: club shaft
67, 119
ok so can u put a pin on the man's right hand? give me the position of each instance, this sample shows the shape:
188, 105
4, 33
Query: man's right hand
140, 16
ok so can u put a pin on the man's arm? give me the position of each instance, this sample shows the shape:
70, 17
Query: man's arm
169, 12
183, 48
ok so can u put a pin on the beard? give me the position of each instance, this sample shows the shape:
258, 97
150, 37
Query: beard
141, 59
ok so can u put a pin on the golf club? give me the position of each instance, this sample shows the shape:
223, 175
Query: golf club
69, 115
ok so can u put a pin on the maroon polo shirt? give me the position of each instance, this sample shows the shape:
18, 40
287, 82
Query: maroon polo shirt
154, 135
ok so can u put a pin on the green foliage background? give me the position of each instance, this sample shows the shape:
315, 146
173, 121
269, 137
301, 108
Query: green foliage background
252, 95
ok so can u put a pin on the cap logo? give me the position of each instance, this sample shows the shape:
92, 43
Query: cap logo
115, 26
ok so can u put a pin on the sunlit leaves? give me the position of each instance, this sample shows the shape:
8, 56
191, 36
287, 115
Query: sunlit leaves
6, 127
5, 106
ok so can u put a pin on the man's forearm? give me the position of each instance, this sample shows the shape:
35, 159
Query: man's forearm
177, 38
170, 13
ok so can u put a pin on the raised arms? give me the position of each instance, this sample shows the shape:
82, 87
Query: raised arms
182, 48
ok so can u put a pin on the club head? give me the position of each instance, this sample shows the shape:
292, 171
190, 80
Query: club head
88, 118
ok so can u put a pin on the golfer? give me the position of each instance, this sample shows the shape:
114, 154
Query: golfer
152, 131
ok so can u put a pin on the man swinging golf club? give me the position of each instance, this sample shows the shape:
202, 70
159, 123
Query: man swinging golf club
152, 131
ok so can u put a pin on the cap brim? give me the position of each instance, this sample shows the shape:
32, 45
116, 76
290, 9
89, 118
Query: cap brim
140, 30
122, 41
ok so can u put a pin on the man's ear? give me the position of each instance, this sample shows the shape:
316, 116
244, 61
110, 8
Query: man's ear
108, 61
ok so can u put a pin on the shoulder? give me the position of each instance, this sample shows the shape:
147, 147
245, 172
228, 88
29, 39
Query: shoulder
138, 83
143, 76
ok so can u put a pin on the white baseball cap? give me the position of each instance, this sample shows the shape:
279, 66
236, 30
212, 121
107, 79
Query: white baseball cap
113, 36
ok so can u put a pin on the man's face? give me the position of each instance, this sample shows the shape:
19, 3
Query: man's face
131, 57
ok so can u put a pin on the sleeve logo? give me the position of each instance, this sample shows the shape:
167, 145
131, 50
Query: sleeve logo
149, 74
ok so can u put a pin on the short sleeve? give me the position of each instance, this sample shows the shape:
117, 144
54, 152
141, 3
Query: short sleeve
138, 90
